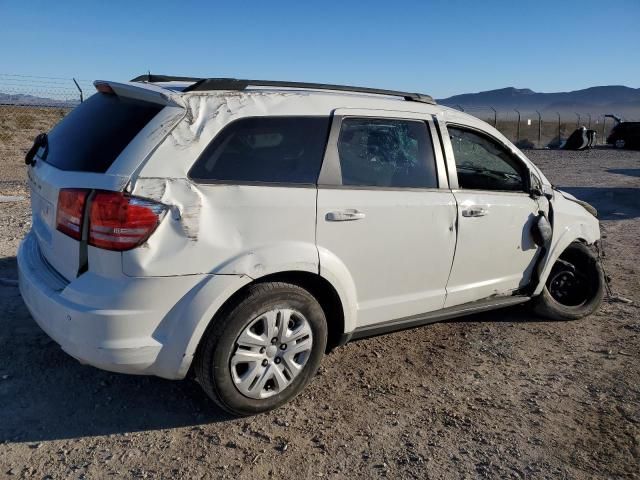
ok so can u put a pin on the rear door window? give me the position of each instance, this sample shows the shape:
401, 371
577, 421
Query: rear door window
265, 150
92, 135
392, 153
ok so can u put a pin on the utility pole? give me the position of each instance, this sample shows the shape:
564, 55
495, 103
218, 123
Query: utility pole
559, 136
578, 117
589, 127
518, 129
539, 128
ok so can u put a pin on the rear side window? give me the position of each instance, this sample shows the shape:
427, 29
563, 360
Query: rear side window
391, 153
92, 136
265, 149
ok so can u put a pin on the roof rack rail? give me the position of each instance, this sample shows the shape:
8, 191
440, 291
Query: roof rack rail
205, 84
153, 78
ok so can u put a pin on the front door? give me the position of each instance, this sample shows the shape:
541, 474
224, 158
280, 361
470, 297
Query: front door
385, 215
495, 252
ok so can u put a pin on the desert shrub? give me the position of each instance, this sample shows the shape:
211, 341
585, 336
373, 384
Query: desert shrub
24, 121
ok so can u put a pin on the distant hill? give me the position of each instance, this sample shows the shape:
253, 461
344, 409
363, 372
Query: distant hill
618, 99
22, 99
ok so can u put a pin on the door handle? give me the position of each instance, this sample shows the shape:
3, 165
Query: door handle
344, 215
475, 211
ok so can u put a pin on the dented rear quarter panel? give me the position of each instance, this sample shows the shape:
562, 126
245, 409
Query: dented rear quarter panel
221, 228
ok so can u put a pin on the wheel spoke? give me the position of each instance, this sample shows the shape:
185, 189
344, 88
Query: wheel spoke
249, 339
280, 379
284, 317
298, 333
246, 356
244, 382
267, 374
271, 327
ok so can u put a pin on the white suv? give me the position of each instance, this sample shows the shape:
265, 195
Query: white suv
240, 229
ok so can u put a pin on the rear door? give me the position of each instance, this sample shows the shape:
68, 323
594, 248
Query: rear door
495, 251
385, 213
81, 152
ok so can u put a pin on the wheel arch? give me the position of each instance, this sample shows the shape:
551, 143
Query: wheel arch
188, 327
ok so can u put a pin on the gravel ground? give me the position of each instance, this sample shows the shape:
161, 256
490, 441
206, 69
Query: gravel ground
500, 394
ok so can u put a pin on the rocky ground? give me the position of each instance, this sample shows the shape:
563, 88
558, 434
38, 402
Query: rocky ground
501, 394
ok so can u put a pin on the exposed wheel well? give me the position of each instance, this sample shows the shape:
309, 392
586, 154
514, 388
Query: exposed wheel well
319, 287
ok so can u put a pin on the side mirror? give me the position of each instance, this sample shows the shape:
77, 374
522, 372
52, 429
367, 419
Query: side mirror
535, 186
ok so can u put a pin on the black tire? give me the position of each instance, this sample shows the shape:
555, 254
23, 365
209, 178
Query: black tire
212, 360
587, 294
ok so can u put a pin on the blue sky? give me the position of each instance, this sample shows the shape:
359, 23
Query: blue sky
436, 47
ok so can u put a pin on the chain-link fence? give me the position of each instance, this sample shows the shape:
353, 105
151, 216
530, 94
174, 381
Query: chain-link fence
30, 105
540, 129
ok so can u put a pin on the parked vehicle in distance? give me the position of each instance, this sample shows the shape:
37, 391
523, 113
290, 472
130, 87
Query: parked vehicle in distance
240, 229
625, 135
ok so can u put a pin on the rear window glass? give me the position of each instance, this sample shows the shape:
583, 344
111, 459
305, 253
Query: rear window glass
265, 149
92, 136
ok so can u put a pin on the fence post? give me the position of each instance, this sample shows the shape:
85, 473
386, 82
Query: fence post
495, 117
604, 120
589, 121
79, 89
559, 135
518, 128
578, 122
539, 128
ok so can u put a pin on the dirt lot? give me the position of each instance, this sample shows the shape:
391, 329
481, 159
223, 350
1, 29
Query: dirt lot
501, 394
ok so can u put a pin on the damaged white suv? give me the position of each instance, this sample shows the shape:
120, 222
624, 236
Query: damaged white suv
240, 229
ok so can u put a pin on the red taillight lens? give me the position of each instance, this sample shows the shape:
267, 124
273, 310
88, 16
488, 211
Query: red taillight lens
70, 211
121, 222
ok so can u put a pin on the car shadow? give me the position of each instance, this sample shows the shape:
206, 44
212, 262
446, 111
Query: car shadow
631, 172
612, 203
47, 395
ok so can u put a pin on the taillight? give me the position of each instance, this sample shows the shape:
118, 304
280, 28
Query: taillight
120, 222
70, 211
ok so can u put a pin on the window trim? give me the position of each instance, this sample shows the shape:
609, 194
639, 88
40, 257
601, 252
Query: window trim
331, 171
451, 160
255, 183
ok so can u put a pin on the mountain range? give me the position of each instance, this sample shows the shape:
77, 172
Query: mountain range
616, 99
24, 99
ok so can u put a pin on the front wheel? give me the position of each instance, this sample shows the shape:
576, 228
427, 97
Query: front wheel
620, 143
262, 350
575, 287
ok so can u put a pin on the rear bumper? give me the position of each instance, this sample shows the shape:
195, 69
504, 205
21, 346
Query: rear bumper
123, 324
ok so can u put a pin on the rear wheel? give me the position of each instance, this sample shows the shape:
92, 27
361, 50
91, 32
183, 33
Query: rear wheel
575, 286
261, 351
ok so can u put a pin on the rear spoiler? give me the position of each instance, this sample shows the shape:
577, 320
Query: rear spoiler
140, 91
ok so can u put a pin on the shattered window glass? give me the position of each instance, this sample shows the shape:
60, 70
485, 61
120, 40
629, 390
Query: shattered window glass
265, 149
386, 153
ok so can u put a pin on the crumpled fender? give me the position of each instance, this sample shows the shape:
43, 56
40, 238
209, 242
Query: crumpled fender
571, 222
